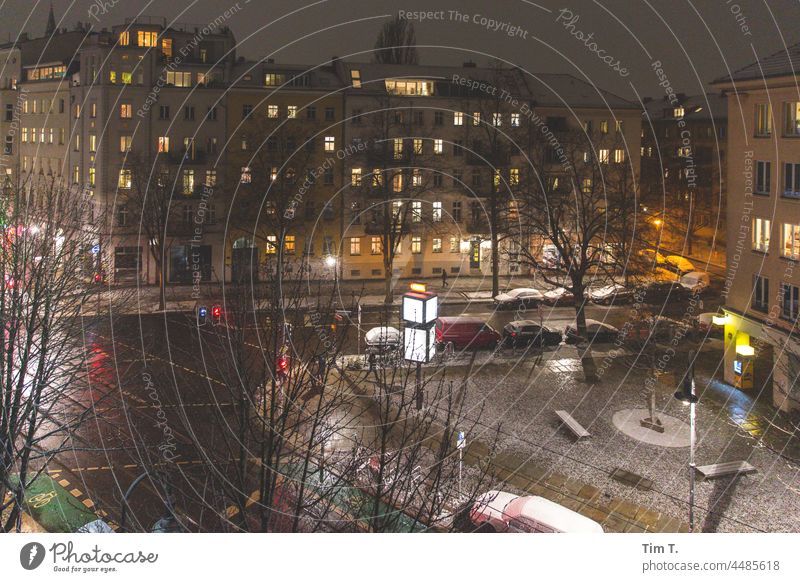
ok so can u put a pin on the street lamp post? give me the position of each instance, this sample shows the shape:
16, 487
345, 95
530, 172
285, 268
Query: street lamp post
688, 396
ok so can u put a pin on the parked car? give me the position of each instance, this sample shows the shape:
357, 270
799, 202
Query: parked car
526, 332
466, 332
696, 281
680, 265
657, 328
382, 340
663, 291
609, 294
653, 257
521, 297
558, 296
596, 331
506, 512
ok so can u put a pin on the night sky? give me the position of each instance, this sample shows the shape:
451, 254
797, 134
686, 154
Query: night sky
695, 41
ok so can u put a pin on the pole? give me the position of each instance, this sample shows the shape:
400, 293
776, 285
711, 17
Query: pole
692, 465
460, 468
419, 386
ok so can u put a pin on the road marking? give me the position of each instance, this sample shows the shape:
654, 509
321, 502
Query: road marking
64, 483
88, 503
76, 492
254, 497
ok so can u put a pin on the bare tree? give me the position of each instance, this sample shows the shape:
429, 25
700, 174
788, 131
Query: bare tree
567, 205
152, 199
396, 43
399, 157
46, 239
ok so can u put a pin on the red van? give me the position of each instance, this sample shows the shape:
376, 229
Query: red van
466, 332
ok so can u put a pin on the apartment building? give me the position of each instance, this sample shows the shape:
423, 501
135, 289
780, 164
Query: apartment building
284, 150
439, 152
762, 289
684, 168
150, 99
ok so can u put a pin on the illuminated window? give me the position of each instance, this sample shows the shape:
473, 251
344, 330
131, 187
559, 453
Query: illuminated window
458, 118
397, 209
355, 78
92, 142
163, 144
497, 119
586, 185
291, 113
604, 156
761, 230
437, 245
125, 143
166, 47
515, 120
513, 176
272, 111
791, 241
397, 183
377, 177
416, 244
330, 143
678, 112
127, 78
355, 246
437, 212
125, 38
211, 178
416, 177
179, 79
417, 146
147, 39
438, 146
289, 244
76, 174
272, 244
274, 79
246, 175
604, 126
454, 244
112, 77
398, 148
416, 211
619, 156
25, 135
188, 182
619, 126
375, 245
409, 87
92, 176
476, 118
355, 177
763, 119
125, 178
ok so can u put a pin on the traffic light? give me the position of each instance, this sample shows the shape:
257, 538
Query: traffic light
202, 315
282, 366
98, 278
216, 314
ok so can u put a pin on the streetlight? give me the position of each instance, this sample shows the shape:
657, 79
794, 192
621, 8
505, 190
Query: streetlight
331, 261
686, 394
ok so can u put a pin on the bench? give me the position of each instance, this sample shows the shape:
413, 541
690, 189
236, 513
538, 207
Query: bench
723, 469
573, 424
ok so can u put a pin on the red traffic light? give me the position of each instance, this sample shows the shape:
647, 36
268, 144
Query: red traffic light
98, 278
216, 311
283, 364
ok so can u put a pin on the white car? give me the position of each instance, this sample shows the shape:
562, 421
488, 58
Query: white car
559, 296
521, 297
696, 281
506, 512
382, 339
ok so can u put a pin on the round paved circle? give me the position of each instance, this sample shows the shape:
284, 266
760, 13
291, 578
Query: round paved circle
676, 432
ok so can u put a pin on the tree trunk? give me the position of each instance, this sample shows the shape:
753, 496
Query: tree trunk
587, 361
495, 250
388, 289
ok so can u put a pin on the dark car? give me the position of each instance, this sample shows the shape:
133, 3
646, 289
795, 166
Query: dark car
663, 291
466, 332
615, 294
597, 332
526, 332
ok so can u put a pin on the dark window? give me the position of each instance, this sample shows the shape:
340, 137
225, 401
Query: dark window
330, 114
163, 112
437, 180
188, 113
247, 109
311, 112
438, 118
790, 301
760, 293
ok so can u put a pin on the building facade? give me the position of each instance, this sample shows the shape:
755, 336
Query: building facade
762, 289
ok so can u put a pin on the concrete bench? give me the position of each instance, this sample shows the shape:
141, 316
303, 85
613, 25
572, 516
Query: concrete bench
573, 424
723, 469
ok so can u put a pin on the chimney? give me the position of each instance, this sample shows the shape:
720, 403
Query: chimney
23, 36
469, 65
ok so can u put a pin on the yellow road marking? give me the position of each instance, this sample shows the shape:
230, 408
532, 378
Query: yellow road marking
76, 492
63, 483
88, 503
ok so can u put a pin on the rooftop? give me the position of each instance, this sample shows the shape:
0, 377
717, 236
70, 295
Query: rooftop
779, 64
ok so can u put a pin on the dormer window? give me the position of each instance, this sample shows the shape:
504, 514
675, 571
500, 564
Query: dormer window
146, 38
409, 87
166, 47
355, 78
124, 38
678, 112
274, 79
